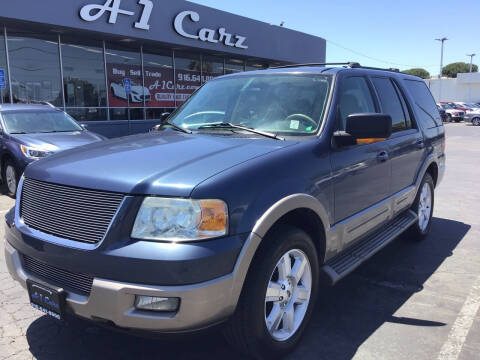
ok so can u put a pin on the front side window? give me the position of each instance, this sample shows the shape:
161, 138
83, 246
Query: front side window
29, 122
391, 104
355, 98
287, 104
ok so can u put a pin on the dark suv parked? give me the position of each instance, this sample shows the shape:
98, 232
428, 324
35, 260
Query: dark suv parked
259, 186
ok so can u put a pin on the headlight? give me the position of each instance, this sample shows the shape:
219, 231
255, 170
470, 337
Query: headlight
180, 219
35, 153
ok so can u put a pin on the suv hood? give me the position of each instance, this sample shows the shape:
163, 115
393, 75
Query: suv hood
166, 163
59, 140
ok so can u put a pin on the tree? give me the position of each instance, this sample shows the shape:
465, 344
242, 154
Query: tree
424, 74
451, 70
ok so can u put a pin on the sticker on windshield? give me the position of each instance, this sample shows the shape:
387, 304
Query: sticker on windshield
294, 124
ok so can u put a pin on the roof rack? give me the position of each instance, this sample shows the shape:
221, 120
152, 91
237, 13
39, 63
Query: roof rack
348, 64
351, 64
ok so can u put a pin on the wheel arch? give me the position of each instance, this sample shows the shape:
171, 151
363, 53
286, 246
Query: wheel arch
3, 159
301, 210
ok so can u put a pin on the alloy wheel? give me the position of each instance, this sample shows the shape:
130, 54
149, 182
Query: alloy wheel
288, 295
11, 178
476, 122
425, 207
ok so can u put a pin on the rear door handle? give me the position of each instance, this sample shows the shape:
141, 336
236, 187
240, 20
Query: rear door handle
382, 156
420, 144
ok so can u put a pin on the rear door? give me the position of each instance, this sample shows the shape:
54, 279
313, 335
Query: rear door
406, 145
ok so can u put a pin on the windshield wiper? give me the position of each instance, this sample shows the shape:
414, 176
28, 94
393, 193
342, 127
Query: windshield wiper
176, 127
227, 125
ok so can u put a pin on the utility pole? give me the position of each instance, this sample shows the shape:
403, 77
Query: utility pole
471, 60
470, 80
442, 40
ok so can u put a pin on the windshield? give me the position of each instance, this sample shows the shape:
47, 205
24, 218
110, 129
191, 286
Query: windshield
288, 104
39, 122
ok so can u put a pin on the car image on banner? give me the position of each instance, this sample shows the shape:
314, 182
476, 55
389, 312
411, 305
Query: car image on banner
137, 94
158, 91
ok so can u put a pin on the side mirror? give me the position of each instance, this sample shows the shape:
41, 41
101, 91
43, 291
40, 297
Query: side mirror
369, 126
365, 128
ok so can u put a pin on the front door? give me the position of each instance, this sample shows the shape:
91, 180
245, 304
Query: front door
361, 172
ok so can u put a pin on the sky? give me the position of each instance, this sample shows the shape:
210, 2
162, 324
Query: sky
398, 34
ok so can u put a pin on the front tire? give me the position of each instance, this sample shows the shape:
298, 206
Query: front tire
423, 207
10, 177
476, 122
278, 296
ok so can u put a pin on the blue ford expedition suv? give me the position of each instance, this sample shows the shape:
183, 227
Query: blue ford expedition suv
260, 187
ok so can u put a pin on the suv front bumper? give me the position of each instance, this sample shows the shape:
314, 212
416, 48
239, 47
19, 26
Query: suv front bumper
201, 305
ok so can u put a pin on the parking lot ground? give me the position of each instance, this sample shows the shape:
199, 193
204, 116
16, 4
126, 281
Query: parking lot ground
410, 301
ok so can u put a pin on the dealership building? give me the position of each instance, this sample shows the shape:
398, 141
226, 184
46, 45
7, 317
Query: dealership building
117, 65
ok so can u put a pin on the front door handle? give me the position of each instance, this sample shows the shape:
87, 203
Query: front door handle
383, 156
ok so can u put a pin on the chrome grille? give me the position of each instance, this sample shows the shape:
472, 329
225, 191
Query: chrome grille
65, 279
67, 212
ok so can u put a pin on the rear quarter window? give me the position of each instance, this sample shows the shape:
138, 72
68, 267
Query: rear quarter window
426, 107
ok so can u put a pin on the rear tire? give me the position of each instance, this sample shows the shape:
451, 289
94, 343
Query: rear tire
10, 177
423, 207
274, 307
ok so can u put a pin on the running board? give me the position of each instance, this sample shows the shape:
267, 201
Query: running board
347, 261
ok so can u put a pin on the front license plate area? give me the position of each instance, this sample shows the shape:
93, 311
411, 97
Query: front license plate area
46, 299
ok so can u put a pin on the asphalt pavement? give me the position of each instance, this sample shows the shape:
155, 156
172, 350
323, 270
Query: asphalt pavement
410, 301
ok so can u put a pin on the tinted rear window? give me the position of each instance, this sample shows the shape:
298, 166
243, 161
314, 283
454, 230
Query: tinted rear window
426, 106
391, 103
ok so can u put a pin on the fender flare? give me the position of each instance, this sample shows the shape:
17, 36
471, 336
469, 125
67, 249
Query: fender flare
266, 221
423, 170
284, 206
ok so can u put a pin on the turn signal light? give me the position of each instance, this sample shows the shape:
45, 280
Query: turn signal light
369, 141
214, 216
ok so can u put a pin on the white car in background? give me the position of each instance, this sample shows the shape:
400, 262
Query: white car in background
137, 94
473, 115
452, 113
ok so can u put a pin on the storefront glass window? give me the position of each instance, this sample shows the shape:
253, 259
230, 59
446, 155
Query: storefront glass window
187, 68
234, 66
255, 65
124, 63
211, 67
83, 74
88, 114
35, 68
4, 91
159, 79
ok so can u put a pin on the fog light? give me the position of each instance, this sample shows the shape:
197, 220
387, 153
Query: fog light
152, 303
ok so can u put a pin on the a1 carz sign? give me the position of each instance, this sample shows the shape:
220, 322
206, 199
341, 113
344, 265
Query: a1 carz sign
93, 12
